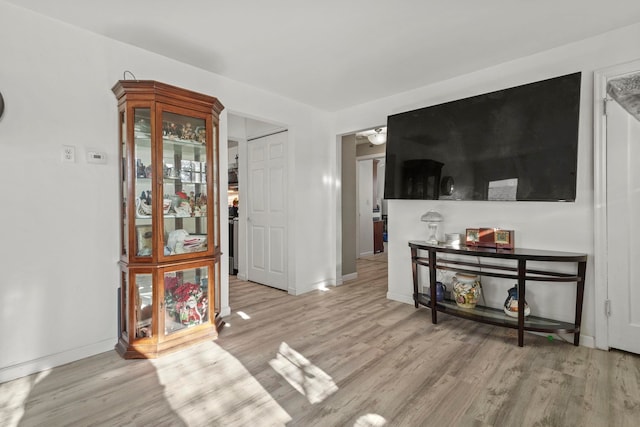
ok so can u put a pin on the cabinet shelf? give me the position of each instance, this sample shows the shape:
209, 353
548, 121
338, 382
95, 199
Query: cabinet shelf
471, 260
144, 140
494, 316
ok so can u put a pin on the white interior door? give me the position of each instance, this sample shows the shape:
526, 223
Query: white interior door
266, 219
623, 227
365, 207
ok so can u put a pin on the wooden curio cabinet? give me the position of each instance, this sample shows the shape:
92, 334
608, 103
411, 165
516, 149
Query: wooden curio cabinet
170, 232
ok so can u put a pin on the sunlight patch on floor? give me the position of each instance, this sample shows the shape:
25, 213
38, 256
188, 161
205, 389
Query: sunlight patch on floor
370, 420
243, 315
309, 380
227, 394
14, 394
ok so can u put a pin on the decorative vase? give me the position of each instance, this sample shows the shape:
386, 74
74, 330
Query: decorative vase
466, 290
511, 303
440, 290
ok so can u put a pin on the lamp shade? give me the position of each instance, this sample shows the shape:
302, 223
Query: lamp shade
432, 216
378, 137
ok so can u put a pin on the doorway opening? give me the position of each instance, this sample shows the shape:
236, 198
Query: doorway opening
362, 229
617, 206
247, 204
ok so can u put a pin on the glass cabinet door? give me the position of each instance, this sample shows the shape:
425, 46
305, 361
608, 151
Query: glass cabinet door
186, 298
124, 187
143, 183
184, 184
143, 305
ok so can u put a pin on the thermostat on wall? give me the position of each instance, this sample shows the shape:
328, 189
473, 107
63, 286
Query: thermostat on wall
96, 157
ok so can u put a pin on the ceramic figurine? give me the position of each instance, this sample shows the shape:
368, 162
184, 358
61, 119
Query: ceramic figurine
511, 303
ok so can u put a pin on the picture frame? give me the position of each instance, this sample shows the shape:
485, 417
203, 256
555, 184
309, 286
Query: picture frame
490, 238
504, 239
472, 236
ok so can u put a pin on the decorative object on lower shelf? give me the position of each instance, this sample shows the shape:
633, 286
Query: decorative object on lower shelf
511, 303
440, 291
185, 302
466, 290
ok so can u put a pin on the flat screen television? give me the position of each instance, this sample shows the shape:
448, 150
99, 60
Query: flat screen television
519, 143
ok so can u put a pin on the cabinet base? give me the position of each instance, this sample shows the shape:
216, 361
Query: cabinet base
149, 349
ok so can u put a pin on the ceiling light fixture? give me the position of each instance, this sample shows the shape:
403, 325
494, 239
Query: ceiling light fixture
378, 137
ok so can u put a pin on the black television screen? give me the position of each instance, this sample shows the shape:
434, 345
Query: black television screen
519, 143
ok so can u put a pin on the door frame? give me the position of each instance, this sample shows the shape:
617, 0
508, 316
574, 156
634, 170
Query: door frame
601, 260
359, 195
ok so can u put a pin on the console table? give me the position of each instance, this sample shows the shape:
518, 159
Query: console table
467, 260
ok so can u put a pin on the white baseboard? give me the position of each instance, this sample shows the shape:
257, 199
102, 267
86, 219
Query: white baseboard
587, 341
350, 276
407, 299
51, 361
321, 285
225, 311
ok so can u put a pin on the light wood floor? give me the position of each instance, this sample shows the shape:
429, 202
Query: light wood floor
342, 357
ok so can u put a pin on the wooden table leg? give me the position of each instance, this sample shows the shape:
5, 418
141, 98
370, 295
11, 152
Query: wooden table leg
414, 268
582, 270
432, 285
522, 270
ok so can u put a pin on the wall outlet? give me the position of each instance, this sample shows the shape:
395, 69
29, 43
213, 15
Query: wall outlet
68, 153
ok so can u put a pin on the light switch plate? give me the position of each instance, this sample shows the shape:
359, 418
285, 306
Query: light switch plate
96, 157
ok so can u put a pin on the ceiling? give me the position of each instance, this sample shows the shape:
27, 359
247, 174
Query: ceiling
334, 54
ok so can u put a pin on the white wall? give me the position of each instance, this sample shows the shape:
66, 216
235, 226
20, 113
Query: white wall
559, 226
60, 247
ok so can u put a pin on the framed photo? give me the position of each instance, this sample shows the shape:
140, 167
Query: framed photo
472, 237
490, 238
504, 238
